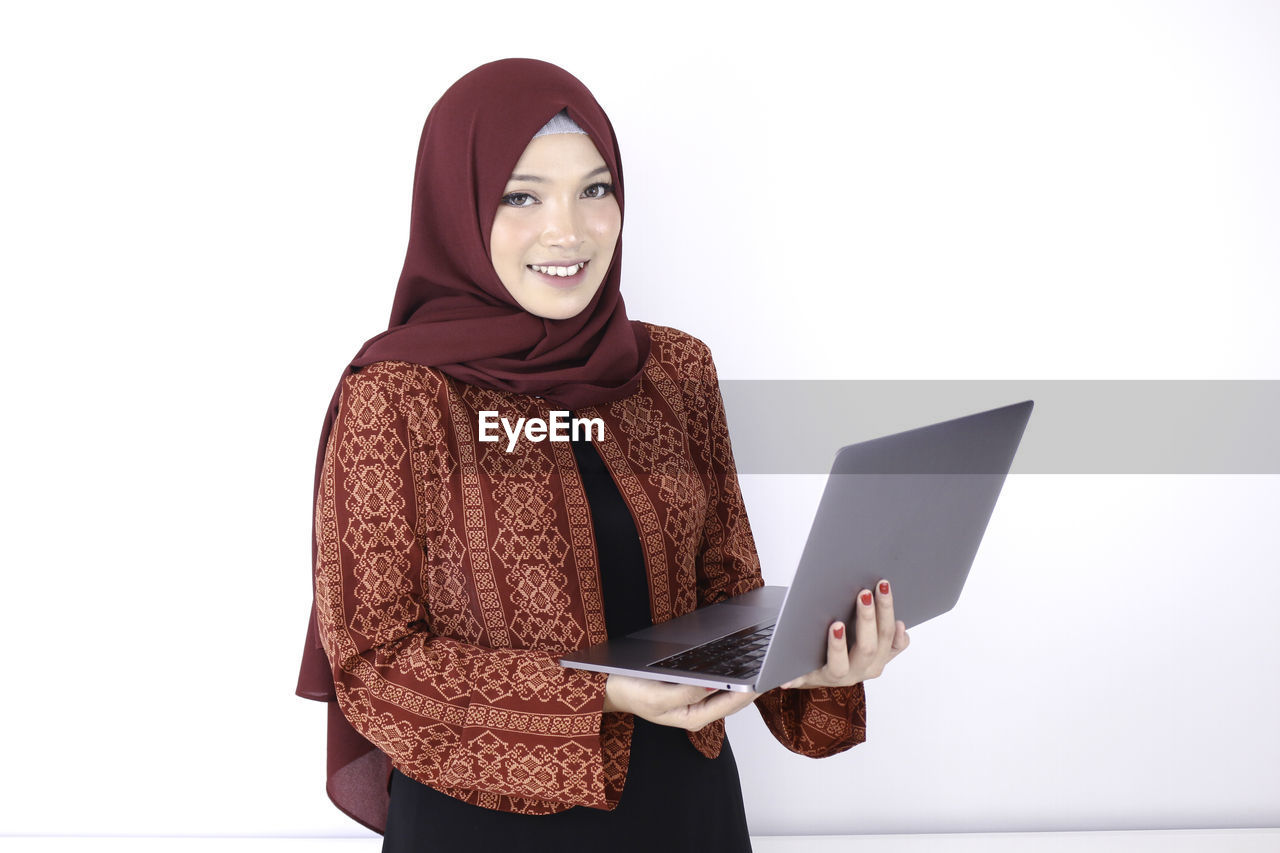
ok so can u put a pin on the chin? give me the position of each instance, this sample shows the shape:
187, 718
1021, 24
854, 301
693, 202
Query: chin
568, 305
558, 312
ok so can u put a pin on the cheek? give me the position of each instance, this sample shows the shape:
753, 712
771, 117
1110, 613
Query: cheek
605, 224
508, 242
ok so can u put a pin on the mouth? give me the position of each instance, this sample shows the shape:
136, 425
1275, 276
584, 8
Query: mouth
557, 275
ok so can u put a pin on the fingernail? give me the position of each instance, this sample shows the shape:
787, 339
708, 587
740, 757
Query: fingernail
866, 598
839, 632
710, 689
884, 587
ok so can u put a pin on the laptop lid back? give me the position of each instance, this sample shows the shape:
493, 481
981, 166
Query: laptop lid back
910, 507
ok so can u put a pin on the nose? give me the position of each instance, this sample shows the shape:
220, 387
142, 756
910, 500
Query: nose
562, 227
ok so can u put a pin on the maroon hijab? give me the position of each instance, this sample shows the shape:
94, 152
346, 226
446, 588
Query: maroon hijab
453, 313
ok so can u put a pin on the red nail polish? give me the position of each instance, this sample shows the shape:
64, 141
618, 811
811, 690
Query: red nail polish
884, 587
866, 598
839, 632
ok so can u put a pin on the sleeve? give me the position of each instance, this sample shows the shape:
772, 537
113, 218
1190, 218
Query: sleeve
479, 724
819, 722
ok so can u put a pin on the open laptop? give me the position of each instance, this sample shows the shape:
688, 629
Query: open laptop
910, 507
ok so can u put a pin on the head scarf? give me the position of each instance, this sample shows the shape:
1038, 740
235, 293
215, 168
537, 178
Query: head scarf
452, 312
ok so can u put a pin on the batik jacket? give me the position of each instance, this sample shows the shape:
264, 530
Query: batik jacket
452, 574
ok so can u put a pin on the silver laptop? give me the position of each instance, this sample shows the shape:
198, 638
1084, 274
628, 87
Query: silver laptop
910, 508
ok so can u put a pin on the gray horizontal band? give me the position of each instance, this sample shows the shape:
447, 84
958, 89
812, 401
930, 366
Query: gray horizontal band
1078, 426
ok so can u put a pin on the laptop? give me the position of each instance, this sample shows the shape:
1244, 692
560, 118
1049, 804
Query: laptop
910, 507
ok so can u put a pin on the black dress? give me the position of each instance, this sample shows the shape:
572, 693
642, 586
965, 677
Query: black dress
674, 798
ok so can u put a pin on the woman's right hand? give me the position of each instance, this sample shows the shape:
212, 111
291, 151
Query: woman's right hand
682, 706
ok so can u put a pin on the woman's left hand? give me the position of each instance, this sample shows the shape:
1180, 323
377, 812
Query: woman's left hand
878, 639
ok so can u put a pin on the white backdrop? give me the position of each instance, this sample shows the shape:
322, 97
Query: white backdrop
205, 209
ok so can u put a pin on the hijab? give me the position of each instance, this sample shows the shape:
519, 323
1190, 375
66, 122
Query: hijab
452, 312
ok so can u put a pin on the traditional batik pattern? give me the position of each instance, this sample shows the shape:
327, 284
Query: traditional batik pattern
452, 575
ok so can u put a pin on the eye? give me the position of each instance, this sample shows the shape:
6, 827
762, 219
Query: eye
598, 190
518, 199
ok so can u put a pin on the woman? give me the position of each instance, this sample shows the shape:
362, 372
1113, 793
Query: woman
452, 572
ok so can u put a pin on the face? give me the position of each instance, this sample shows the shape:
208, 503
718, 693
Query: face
556, 227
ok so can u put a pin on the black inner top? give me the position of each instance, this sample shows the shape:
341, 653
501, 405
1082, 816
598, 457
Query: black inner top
623, 578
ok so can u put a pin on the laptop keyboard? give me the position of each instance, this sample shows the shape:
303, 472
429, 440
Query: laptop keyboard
738, 655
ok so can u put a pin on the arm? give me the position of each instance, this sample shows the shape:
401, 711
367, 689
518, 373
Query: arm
818, 722
459, 717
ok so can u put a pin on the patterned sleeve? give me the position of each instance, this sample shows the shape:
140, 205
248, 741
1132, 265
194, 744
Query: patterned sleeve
819, 722
504, 728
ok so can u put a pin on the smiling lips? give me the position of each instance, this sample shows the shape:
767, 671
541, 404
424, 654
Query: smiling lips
560, 276
572, 269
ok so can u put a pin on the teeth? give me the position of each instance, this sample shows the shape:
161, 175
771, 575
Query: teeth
560, 271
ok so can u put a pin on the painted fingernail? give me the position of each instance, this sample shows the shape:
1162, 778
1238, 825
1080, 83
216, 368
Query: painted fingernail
866, 598
884, 587
839, 632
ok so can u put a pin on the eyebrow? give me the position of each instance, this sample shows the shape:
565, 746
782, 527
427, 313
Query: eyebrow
537, 180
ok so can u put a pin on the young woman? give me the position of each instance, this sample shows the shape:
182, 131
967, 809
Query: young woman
451, 572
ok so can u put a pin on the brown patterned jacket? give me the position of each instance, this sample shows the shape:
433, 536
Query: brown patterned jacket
452, 575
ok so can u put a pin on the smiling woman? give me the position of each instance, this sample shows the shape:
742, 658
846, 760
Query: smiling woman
453, 572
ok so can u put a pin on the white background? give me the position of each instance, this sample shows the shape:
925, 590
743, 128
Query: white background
205, 209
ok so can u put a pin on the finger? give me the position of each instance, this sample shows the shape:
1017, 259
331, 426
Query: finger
692, 694
837, 652
669, 696
719, 706
900, 638
884, 614
864, 630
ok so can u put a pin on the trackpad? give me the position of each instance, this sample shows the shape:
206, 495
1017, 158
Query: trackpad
707, 623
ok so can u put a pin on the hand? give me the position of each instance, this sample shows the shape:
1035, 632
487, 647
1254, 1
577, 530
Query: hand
877, 640
682, 706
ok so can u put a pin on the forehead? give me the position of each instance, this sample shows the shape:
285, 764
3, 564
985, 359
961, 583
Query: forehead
559, 155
